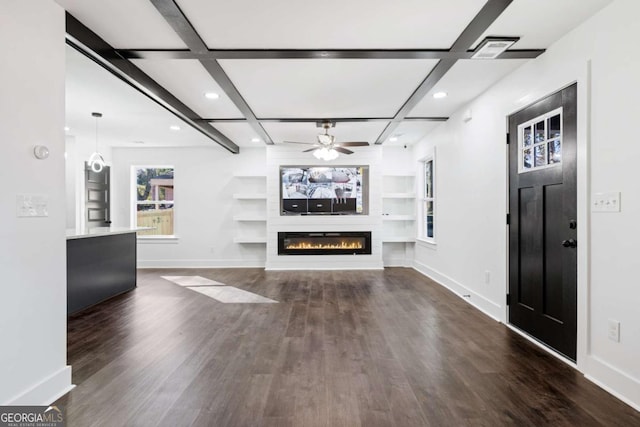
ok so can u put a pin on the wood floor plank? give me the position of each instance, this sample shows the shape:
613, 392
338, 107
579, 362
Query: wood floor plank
340, 348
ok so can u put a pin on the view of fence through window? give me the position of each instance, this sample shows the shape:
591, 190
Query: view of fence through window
154, 201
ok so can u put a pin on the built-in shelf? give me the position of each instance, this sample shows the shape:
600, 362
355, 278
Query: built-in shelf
250, 196
256, 218
250, 240
249, 176
399, 196
398, 217
398, 239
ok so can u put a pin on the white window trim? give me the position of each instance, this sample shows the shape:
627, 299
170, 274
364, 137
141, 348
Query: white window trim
421, 229
165, 238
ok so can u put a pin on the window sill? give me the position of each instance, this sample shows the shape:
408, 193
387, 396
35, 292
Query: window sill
427, 243
157, 239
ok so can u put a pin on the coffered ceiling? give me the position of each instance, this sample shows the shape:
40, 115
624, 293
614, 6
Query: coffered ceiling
280, 66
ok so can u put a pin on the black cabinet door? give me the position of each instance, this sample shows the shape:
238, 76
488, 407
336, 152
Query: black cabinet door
319, 205
294, 205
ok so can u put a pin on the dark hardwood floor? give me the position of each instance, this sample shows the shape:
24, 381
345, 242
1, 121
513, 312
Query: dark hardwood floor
342, 348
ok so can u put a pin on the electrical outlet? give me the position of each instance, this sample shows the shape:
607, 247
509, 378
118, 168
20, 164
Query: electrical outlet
487, 277
614, 330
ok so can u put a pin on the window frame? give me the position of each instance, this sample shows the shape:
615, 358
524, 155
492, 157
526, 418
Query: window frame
135, 202
424, 199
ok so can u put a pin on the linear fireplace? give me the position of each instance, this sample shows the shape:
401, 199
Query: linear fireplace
325, 243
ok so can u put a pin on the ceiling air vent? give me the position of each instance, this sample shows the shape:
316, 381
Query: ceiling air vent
492, 47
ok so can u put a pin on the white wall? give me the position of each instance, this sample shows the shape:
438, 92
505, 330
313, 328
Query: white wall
33, 293
204, 209
472, 190
206, 181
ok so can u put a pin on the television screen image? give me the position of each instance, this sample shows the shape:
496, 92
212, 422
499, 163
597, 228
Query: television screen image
323, 190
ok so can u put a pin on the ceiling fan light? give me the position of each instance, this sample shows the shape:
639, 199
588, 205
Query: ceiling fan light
325, 154
331, 155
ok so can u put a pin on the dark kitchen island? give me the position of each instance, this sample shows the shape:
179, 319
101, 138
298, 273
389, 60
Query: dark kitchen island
101, 263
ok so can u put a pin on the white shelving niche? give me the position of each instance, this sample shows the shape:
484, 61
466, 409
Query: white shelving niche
398, 218
250, 209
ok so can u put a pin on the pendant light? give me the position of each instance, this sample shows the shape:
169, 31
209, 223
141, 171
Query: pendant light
96, 161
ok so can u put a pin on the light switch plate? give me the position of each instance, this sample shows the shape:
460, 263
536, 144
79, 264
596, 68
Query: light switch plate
605, 202
32, 205
614, 330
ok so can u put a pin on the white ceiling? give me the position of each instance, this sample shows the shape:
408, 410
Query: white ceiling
128, 115
539, 23
321, 88
297, 88
310, 24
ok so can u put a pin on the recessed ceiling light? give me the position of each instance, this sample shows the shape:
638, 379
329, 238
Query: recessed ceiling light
174, 127
393, 139
440, 95
67, 128
211, 95
255, 139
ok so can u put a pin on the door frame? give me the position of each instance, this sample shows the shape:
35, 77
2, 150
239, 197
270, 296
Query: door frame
583, 188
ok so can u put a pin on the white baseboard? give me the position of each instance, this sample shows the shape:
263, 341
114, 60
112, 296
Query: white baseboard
320, 268
200, 263
46, 391
483, 304
613, 380
397, 262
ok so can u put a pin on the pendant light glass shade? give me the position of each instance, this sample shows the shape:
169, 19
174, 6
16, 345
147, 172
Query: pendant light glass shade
96, 161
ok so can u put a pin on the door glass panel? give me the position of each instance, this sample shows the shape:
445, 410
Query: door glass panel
526, 136
540, 142
539, 136
555, 151
527, 159
540, 155
553, 127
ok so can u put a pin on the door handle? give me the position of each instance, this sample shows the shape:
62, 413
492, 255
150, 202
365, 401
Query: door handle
569, 243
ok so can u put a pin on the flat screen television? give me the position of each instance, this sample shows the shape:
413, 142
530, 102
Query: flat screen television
321, 190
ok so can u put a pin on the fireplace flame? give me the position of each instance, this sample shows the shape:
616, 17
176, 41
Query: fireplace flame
344, 244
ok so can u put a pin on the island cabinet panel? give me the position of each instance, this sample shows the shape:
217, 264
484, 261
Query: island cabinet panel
98, 268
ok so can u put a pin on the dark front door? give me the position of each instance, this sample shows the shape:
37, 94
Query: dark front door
542, 233
97, 195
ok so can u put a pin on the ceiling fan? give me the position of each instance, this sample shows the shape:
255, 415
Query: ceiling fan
326, 147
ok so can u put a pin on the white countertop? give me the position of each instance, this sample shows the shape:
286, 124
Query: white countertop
77, 233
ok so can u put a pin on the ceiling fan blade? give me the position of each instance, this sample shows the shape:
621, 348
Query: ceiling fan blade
342, 150
299, 142
310, 149
354, 144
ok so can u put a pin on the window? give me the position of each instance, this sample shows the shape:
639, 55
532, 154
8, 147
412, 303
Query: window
540, 142
427, 217
154, 200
